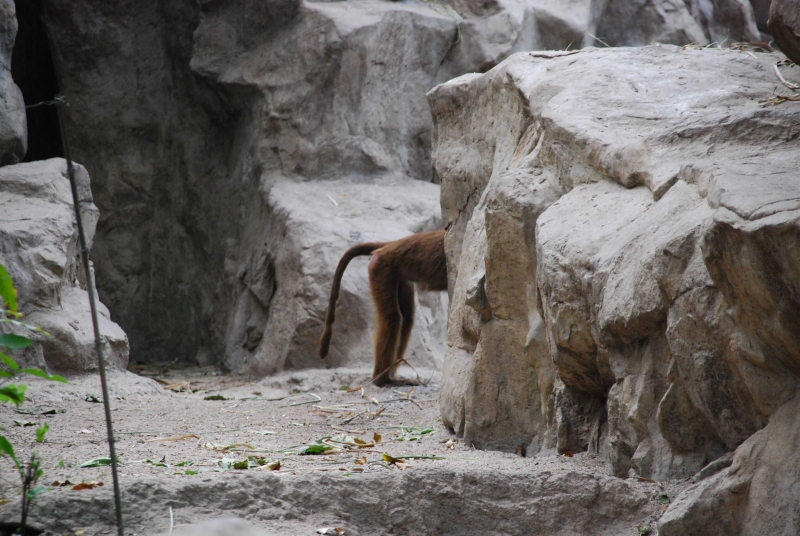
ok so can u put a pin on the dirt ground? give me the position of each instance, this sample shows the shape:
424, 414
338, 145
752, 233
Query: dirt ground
169, 433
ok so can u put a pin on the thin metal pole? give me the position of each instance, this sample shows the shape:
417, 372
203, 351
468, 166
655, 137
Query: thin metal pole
98, 341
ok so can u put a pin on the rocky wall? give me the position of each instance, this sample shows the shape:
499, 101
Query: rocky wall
622, 254
39, 247
187, 114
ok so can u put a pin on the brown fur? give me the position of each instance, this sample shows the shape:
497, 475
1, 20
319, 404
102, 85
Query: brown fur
418, 258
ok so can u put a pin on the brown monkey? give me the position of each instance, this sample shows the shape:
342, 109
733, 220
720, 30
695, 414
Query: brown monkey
418, 258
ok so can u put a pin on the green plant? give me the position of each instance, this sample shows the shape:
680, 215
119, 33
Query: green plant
14, 393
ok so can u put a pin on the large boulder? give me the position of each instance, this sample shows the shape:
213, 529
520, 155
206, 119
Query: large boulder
185, 112
784, 25
757, 494
13, 129
285, 282
621, 254
39, 247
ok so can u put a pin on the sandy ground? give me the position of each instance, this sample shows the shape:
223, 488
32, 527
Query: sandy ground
167, 431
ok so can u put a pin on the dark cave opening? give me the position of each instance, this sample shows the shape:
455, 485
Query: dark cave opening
34, 72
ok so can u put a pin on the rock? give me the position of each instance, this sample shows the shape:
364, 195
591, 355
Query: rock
39, 247
468, 499
286, 280
622, 268
756, 495
784, 25
13, 129
218, 527
195, 108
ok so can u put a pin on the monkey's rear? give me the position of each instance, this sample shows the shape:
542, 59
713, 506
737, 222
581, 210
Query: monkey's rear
394, 266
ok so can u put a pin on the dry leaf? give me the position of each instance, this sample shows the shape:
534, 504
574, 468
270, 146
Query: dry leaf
450, 444
569, 454
354, 389
86, 485
338, 531
173, 438
274, 466
376, 437
362, 461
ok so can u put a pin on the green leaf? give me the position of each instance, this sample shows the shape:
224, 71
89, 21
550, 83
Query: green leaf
13, 394
664, 499
41, 431
6, 448
10, 340
190, 472
10, 363
242, 465
92, 398
157, 464
35, 492
184, 463
6, 374
316, 449
7, 291
96, 462
42, 374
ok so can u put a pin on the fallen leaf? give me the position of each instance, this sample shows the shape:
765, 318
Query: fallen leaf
92, 398
96, 462
274, 466
664, 499
331, 530
450, 444
172, 438
316, 449
390, 459
354, 389
362, 461
86, 485
24, 423
215, 397
58, 484
376, 437
569, 454
242, 465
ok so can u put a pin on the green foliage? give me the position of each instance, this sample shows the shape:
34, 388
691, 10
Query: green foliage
9, 340
13, 394
8, 450
7, 291
41, 431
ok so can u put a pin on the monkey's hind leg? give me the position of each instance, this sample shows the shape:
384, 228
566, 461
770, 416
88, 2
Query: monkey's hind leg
405, 299
383, 282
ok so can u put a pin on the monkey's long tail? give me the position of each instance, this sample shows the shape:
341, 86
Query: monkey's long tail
355, 251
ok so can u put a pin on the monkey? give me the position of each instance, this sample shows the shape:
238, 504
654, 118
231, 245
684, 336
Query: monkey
393, 268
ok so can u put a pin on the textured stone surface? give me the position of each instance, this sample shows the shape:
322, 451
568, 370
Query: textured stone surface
641, 302
39, 247
425, 500
758, 493
13, 130
184, 112
784, 25
286, 282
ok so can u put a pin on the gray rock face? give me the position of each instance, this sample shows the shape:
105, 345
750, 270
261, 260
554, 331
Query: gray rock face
39, 247
285, 284
784, 24
13, 129
195, 109
756, 495
621, 254
446, 500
